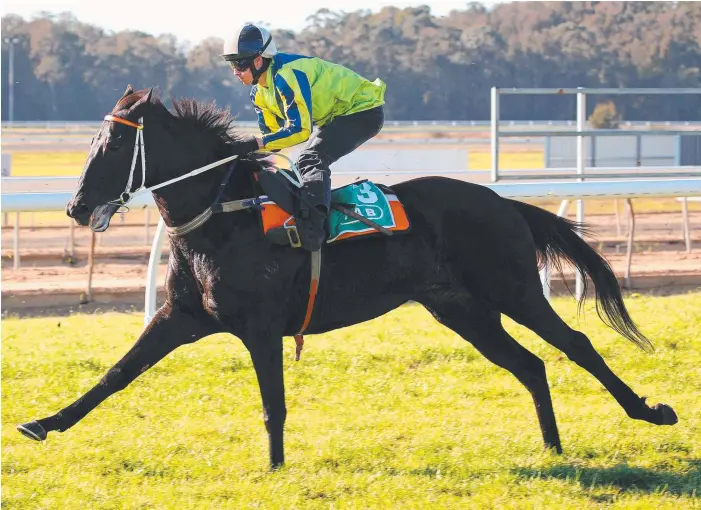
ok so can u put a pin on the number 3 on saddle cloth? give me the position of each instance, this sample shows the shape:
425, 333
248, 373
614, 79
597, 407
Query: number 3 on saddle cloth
358, 209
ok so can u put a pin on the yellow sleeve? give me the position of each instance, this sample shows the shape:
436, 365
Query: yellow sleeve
267, 122
293, 86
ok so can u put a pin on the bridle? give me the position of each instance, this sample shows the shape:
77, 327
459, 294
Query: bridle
127, 195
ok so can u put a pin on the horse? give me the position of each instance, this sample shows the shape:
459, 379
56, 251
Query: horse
469, 257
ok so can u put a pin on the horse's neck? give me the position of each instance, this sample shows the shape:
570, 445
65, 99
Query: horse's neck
182, 201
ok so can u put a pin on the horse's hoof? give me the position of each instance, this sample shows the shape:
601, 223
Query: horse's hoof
276, 466
555, 448
32, 430
669, 417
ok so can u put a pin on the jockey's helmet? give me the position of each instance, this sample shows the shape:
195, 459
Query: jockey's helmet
249, 41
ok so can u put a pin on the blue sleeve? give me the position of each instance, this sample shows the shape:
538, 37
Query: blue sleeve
296, 97
261, 121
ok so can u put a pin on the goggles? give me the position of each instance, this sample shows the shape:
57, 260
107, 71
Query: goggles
242, 64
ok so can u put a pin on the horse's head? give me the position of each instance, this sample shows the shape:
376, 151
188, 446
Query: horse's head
113, 166
119, 163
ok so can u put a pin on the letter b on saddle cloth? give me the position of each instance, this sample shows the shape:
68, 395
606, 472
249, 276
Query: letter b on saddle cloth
358, 209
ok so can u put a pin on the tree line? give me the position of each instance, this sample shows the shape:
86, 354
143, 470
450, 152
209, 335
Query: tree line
436, 68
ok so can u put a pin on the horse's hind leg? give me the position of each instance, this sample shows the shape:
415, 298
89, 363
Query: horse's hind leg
168, 330
482, 327
535, 313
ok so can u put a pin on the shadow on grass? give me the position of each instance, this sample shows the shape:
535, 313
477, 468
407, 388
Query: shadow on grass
625, 478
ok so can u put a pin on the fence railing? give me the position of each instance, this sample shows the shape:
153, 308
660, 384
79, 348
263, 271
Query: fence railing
580, 132
565, 191
581, 171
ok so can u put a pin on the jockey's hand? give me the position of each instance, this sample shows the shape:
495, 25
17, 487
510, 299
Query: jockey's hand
248, 144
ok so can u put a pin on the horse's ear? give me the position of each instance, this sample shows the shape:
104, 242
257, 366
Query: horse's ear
128, 91
141, 103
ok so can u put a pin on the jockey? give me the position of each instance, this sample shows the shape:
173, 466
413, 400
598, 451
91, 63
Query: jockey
293, 93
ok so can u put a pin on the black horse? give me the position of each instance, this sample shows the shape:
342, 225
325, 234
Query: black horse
470, 256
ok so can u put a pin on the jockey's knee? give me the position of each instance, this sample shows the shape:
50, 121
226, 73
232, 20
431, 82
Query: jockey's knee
312, 161
309, 158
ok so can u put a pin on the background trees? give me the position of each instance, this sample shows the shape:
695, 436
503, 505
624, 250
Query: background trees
437, 68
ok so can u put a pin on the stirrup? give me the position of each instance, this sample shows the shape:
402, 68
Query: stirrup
292, 233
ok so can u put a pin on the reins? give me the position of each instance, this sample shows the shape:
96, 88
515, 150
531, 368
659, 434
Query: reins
237, 205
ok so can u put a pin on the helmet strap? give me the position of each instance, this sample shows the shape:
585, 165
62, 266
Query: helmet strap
257, 73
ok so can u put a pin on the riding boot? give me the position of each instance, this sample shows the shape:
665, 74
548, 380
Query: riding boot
312, 216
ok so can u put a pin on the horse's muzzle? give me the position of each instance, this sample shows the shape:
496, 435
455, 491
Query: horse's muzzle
78, 211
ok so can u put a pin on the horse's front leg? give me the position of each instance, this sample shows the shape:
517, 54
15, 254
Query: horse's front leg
169, 329
266, 355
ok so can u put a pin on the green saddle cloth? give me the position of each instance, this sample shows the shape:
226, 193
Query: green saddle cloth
367, 200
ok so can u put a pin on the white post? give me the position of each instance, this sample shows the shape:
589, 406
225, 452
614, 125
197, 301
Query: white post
581, 163
545, 272
495, 134
545, 280
152, 274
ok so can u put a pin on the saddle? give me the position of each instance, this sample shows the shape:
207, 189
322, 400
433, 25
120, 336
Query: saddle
361, 208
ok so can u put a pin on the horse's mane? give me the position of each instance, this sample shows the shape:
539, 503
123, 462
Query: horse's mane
202, 116
207, 116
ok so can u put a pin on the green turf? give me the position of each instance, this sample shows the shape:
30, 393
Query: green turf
398, 412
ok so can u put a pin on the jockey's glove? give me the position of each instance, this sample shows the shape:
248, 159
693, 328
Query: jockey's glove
246, 145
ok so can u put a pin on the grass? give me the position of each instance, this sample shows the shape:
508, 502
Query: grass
397, 412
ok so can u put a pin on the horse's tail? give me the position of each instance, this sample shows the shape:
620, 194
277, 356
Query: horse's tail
558, 238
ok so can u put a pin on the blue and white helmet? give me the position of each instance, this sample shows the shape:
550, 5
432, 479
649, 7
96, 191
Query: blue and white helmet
249, 41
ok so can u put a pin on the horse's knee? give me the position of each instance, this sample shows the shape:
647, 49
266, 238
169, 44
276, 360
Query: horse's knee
580, 350
531, 372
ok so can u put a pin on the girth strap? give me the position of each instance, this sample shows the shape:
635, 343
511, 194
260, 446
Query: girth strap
313, 287
223, 207
216, 207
